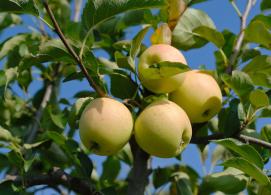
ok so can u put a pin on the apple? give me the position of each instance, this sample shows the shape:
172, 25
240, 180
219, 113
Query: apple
105, 126
199, 95
163, 129
153, 55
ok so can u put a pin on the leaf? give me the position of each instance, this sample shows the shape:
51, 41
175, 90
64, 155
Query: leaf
86, 164
11, 43
161, 176
265, 5
259, 70
183, 36
264, 19
19, 6
125, 155
266, 133
249, 54
164, 69
7, 20
248, 168
210, 35
98, 11
136, 42
229, 181
111, 168
58, 120
240, 83
5, 135
183, 185
34, 145
122, 86
257, 32
258, 98
244, 150
59, 139
229, 122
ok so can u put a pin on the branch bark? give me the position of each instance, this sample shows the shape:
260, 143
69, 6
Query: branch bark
140, 171
35, 126
240, 37
54, 178
72, 52
240, 137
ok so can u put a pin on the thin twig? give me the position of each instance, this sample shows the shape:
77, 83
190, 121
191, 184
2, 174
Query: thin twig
72, 52
248, 139
241, 137
54, 178
77, 8
35, 126
240, 38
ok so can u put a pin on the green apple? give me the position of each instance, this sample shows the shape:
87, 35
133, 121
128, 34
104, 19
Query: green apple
199, 95
163, 129
153, 55
105, 126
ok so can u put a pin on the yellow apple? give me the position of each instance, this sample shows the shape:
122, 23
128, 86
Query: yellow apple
163, 129
199, 95
105, 126
153, 55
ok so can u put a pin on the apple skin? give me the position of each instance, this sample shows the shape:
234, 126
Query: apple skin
105, 126
153, 55
163, 129
199, 95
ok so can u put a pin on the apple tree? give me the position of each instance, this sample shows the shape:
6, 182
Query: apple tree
125, 108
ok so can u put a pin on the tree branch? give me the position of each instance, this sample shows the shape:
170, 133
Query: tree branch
240, 38
72, 52
241, 137
138, 179
35, 126
77, 7
54, 178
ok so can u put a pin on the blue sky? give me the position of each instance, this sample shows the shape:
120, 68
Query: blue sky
223, 16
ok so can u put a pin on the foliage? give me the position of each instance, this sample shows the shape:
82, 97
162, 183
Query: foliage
38, 130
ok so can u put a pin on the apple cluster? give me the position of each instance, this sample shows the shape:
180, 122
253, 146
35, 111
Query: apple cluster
163, 128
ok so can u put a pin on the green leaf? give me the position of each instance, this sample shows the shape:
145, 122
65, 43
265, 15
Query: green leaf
137, 40
259, 70
258, 98
111, 169
183, 36
266, 133
164, 69
240, 83
244, 150
98, 11
249, 54
229, 122
257, 32
19, 6
86, 164
122, 86
161, 176
59, 139
248, 168
5, 135
125, 155
210, 35
11, 44
7, 20
265, 5
229, 181
58, 119
183, 184
264, 19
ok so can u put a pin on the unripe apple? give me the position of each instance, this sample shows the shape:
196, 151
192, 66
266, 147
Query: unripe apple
199, 95
163, 129
153, 55
105, 126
